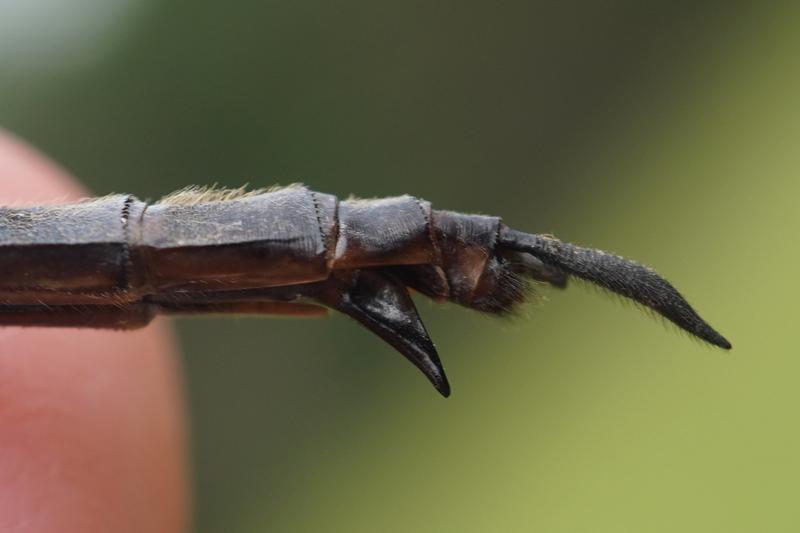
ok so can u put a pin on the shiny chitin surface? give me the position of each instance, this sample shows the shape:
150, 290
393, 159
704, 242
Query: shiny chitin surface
116, 262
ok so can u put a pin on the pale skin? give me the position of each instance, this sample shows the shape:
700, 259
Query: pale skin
93, 422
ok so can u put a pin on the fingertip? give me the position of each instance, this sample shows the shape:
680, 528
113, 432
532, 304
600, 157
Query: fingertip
28, 176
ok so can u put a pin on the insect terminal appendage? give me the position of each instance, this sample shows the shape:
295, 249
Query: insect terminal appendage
116, 262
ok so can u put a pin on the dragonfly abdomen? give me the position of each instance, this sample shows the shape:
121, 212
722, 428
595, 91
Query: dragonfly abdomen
116, 262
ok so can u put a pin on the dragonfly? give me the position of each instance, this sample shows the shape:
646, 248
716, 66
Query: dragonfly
116, 262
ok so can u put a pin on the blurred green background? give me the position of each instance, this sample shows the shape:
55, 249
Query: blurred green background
665, 131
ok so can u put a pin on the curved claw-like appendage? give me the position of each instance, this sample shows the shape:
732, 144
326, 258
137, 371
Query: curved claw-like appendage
382, 304
617, 274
